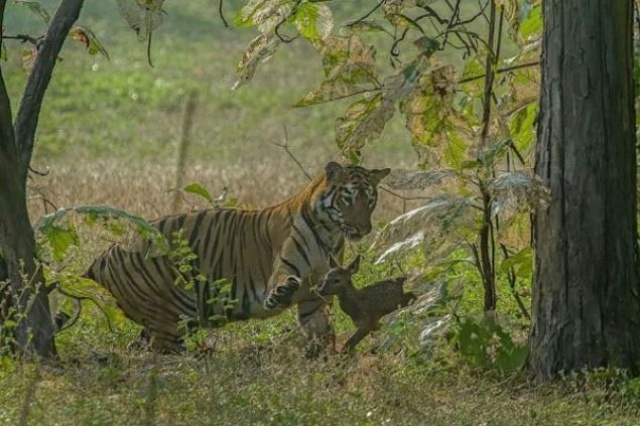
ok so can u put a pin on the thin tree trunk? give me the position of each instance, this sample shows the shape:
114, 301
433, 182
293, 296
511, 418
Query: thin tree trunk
35, 332
17, 243
586, 311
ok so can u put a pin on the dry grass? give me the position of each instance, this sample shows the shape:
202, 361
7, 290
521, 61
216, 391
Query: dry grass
274, 385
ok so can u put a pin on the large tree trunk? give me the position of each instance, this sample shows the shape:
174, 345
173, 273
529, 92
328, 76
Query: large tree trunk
586, 305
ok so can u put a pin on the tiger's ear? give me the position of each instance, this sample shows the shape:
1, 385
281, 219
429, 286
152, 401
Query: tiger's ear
333, 263
378, 174
354, 265
335, 172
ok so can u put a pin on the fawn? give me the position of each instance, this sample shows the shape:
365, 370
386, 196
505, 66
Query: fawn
367, 305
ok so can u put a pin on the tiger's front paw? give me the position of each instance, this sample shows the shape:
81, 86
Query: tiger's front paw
282, 295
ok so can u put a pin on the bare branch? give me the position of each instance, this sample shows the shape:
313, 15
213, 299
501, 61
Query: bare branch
501, 71
36, 41
369, 13
285, 146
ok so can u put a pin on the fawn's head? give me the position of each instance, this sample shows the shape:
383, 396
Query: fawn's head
338, 277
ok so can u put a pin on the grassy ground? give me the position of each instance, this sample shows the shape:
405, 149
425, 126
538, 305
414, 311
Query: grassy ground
108, 135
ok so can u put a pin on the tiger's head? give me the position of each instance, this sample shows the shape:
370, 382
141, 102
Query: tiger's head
350, 197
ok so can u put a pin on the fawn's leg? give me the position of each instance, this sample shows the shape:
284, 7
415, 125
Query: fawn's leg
360, 334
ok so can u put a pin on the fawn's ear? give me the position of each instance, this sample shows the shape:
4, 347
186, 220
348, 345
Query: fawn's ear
378, 174
354, 265
333, 263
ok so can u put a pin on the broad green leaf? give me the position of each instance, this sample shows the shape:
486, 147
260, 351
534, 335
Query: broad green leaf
36, 8
60, 239
521, 127
486, 344
521, 262
532, 25
89, 39
455, 150
314, 21
197, 189
141, 226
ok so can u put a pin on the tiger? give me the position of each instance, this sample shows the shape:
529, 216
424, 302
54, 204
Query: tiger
271, 259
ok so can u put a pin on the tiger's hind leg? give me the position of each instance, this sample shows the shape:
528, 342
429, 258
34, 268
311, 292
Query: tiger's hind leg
281, 297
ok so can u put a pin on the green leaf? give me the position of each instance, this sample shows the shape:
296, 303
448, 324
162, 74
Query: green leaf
89, 39
314, 21
486, 344
455, 150
532, 25
37, 9
521, 262
60, 239
142, 227
521, 127
197, 189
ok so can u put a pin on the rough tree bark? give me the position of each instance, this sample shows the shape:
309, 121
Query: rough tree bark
586, 307
17, 242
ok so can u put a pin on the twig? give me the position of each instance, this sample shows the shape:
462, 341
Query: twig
285, 146
38, 172
369, 13
187, 124
402, 197
91, 299
221, 13
36, 41
512, 284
